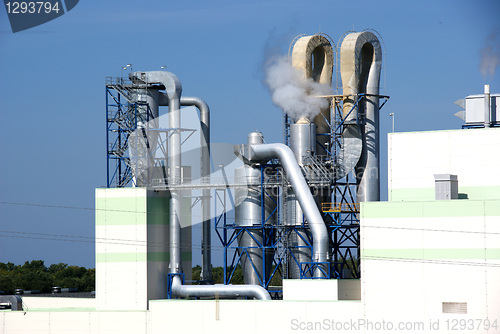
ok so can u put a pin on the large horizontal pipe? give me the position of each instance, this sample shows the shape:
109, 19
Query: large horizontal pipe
319, 232
218, 290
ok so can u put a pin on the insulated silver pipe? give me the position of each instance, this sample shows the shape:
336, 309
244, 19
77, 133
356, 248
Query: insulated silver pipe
218, 290
487, 106
303, 145
173, 91
206, 245
174, 158
317, 226
206, 252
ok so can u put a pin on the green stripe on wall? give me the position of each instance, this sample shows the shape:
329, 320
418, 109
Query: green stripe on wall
452, 208
139, 257
428, 194
433, 254
121, 211
133, 210
411, 194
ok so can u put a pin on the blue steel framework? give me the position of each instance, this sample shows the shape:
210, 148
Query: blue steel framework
122, 118
342, 223
228, 233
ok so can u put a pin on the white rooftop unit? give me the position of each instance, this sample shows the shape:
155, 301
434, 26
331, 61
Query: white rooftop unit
475, 106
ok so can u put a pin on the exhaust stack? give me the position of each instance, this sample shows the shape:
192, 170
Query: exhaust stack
487, 106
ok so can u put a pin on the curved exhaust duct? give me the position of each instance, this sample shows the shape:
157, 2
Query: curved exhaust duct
206, 246
218, 290
202, 106
360, 65
264, 152
313, 57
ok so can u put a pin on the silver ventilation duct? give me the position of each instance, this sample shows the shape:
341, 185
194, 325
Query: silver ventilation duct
173, 90
265, 152
202, 106
218, 291
206, 248
303, 145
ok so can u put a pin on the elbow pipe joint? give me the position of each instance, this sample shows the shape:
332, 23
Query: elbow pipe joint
319, 232
218, 290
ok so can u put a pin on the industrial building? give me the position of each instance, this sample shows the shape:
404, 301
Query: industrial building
308, 209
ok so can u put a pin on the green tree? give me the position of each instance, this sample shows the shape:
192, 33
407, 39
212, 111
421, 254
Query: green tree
35, 275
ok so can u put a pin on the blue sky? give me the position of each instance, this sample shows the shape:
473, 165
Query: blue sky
52, 89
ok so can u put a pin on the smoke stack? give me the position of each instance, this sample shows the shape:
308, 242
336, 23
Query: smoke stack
487, 106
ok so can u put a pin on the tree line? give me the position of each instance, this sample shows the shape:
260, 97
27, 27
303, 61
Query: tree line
36, 276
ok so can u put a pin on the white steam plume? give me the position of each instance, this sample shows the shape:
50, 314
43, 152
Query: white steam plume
293, 93
490, 56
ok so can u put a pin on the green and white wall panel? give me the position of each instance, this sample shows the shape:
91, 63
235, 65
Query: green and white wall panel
471, 154
418, 255
132, 247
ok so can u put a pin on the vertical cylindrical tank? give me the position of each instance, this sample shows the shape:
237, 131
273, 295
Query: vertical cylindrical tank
255, 211
303, 140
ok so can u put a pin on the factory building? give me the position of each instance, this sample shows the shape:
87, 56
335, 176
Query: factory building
427, 260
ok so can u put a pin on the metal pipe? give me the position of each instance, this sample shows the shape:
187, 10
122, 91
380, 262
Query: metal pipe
361, 62
174, 90
206, 248
15, 302
218, 290
303, 144
206, 245
174, 158
319, 232
487, 106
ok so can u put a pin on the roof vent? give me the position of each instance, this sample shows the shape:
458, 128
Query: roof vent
453, 307
446, 186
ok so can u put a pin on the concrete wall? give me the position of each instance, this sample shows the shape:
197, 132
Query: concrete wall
471, 154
